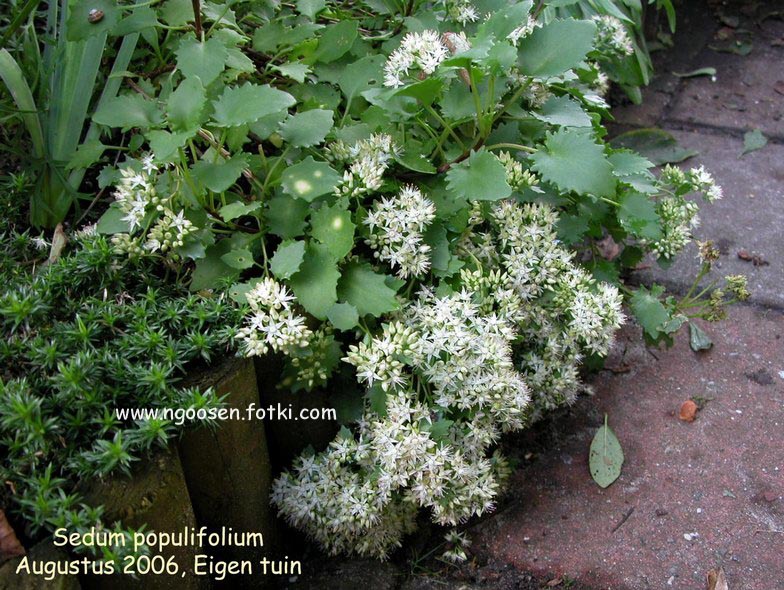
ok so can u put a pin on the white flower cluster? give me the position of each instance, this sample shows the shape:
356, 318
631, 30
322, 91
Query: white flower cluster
273, 323
136, 192
523, 30
454, 370
361, 495
461, 11
397, 228
423, 51
702, 181
561, 313
311, 366
536, 93
457, 544
367, 159
611, 36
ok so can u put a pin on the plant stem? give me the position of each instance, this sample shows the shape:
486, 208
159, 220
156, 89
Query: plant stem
197, 17
512, 146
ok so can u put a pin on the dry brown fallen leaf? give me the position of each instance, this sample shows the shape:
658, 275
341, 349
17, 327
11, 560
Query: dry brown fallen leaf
688, 411
717, 580
9, 543
608, 248
554, 583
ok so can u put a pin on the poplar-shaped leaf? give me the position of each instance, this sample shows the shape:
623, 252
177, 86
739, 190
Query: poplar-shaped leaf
425, 91
296, 71
752, 141
140, 19
203, 60
285, 216
332, 226
556, 47
563, 111
239, 258
649, 311
311, 7
86, 155
628, 163
186, 104
127, 111
237, 209
241, 105
366, 290
606, 456
336, 40
361, 75
501, 22
164, 144
112, 221
309, 179
343, 316
212, 268
220, 176
481, 177
176, 13
659, 146
637, 215
288, 258
308, 128
571, 160
315, 284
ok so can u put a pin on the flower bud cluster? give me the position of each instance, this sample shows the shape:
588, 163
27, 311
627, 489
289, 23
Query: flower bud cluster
169, 232
367, 160
611, 37
517, 177
461, 11
273, 323
522, 31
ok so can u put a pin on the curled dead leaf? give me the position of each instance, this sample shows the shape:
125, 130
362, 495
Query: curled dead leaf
717, 580
608, 248
688, 411
753, 257
9, 543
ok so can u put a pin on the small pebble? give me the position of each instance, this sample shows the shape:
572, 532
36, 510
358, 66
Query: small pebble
690, 536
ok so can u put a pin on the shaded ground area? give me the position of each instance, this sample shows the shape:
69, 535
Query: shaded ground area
692, 496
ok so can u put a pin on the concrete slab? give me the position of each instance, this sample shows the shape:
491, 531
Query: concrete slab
744, 95
750, 216
691, 496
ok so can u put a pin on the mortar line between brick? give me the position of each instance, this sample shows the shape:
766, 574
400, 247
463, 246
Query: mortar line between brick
719, 130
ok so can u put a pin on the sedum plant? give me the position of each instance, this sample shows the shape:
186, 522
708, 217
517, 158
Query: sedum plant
83, 335
420, 192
